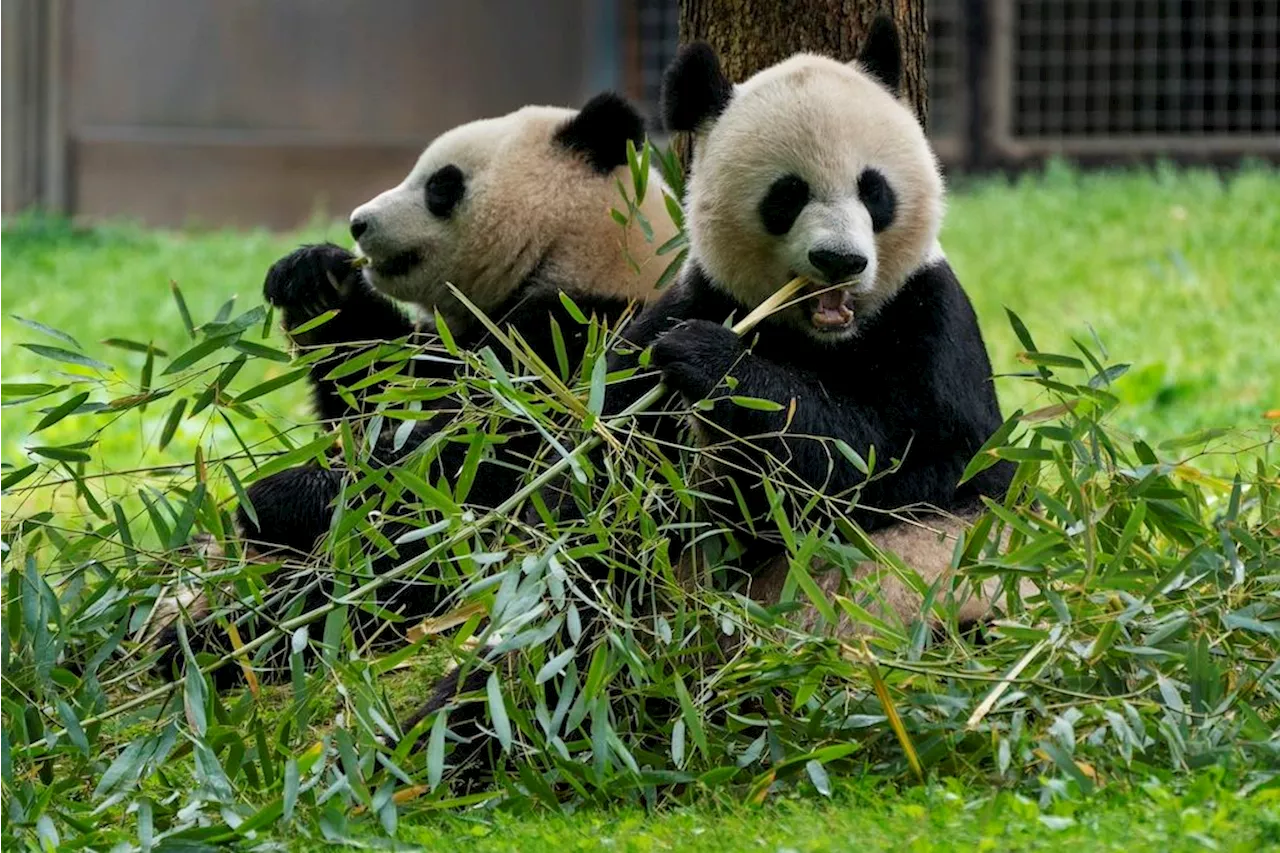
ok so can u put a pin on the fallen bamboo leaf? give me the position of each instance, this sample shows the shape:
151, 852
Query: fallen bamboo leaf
891, 711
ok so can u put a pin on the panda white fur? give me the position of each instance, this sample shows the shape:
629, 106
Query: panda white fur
513, 211
815, 168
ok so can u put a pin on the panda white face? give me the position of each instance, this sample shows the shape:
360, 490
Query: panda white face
811, 168
412, 234
491, 203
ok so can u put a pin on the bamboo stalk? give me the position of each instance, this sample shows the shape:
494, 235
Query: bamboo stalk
778, 300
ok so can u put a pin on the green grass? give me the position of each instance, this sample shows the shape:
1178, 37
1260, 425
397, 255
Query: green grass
1177, 273
870, 815
115, 281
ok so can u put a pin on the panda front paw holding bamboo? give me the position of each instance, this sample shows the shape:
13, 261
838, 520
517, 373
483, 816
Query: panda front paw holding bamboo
311, 280
695, 357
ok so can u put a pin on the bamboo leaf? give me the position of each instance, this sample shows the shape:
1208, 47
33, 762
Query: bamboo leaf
30, 390
260, 351
134, 346
435, 749
65, 453
65, 356
691, 719
196, 353
498, 712
270, 385
818, 776
599, 374
555, 666
306, 453
172, 421
60, 411
891, 711
74, 730
572, 307
985, 457
1050, 360
756, 404
246, 505
314, 323
182, 309
16, 476
292, 784
48, 330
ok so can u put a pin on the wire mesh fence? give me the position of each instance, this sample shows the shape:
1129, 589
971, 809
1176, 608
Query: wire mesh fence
1126, 76
656, 28
947, 63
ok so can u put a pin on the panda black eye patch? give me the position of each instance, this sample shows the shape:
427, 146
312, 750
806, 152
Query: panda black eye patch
445, 189
878, 198
782, 204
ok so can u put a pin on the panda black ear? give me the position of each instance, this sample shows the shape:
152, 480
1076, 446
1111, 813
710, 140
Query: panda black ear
881, 55
600, 131
694, 88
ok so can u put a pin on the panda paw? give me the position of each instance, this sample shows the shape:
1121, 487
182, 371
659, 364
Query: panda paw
310, 280
695, 356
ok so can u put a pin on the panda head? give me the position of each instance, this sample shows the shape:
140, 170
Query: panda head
811, 167
496, 203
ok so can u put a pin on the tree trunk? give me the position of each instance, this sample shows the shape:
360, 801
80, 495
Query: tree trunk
753, 34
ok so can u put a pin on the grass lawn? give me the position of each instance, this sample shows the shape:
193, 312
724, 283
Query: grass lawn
1175, 271
869, 815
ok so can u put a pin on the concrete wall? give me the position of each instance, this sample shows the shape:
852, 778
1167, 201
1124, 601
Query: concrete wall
250, 112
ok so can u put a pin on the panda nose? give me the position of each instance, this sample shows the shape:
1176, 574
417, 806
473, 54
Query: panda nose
359, 225
837, 266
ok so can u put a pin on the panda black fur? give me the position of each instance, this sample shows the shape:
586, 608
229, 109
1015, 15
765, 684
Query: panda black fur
813, 167
512, 211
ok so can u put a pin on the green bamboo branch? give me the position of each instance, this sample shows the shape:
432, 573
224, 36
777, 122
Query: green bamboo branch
781, 299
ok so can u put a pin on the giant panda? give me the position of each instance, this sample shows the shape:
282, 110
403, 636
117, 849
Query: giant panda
816, 168
513, 211
810, 168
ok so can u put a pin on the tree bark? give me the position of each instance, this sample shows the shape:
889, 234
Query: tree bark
753, 34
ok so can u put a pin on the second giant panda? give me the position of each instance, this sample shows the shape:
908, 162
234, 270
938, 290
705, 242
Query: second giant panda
513, 211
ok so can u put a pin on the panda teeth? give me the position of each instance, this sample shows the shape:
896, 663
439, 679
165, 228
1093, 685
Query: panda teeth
829, 309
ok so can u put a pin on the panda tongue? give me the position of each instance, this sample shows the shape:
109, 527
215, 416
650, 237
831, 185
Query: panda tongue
830, 310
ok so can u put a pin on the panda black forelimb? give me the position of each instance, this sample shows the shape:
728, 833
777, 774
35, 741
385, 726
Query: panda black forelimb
321, 277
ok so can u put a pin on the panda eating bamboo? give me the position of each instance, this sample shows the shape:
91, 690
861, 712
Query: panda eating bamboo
511, 211
816, 168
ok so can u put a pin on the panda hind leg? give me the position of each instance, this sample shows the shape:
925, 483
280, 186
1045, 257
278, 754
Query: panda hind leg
291, 510
475, 756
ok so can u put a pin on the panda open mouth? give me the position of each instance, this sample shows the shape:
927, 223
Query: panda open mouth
398, 264
830, 307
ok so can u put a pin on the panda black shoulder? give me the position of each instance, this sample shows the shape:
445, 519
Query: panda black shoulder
531, 310
930, 297
691, 297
